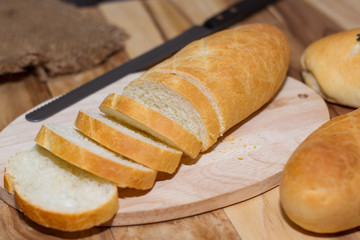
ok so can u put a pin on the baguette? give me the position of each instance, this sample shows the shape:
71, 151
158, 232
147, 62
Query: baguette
319, 189
77, 149
56, 194
330, 66
128, 142
238, 69
138, 115
209, 86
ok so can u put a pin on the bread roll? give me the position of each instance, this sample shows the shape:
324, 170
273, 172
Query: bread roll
331, 67
56, 194
320, 185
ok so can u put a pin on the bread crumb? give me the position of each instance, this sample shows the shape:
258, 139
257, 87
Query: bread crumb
240, 158
229, 139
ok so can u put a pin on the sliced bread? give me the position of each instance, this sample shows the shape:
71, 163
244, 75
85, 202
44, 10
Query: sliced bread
128, 142
57, 194
238, 69
179, 100
146, 119
76, 148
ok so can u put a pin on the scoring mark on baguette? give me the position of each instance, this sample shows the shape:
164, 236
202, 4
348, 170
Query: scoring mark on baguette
302, 95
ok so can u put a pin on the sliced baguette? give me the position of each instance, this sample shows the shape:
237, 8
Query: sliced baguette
138, 115
128, 142
77, 149
233, 72
238, 69
57, 194
179, 100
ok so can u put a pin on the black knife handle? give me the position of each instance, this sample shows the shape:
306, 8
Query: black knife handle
235, 13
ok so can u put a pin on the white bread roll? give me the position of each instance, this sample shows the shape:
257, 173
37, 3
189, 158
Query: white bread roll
128, 142
77, 149
330, 66
320, 185
56, 194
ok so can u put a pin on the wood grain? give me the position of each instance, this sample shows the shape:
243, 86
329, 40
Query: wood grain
197, 12
345, 14
133, 17
262, 218
16, 226
188, 228
62, 84
175, 22
19, 90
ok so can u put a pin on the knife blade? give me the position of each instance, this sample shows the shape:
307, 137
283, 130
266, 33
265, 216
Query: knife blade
220, 21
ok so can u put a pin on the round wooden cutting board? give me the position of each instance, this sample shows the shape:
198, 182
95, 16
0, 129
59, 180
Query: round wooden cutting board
245, 162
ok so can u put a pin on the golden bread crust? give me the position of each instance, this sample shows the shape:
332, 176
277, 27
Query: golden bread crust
240, 69
116, 172
8, 182
152, 156
319, 189
180, 137
68, 221
330, 66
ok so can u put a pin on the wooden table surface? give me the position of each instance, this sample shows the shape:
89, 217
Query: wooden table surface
150, 23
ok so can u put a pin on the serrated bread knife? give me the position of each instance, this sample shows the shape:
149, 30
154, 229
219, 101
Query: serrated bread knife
233, 14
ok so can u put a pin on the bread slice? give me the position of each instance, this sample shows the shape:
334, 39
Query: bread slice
128, 142
146, 119
79, 150
179, 100
57, 194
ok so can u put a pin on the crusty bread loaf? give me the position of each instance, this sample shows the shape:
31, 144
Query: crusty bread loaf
330, 66
56, 194
77, 149
128, 142
238, 69
138, 115
320, 186
211, 84
179, 100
